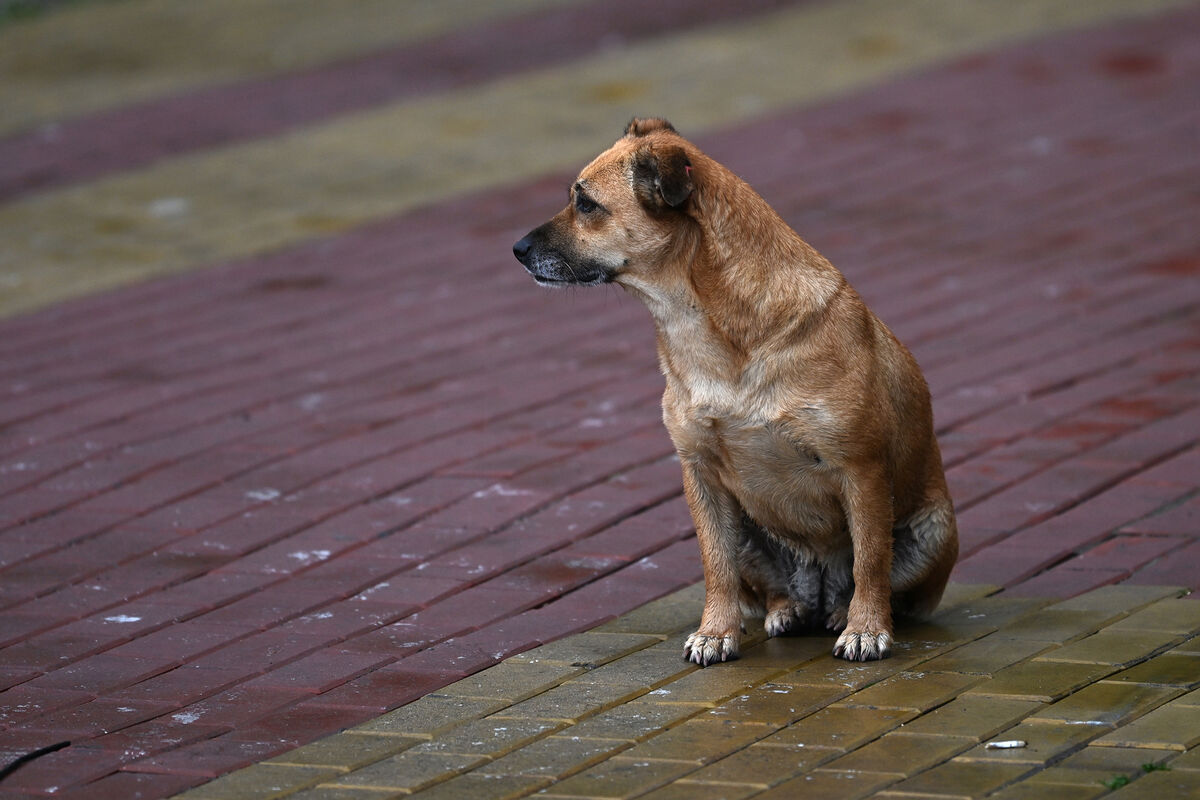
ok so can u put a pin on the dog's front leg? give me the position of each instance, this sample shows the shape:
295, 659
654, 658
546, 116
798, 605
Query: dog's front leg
868, 501
717, 517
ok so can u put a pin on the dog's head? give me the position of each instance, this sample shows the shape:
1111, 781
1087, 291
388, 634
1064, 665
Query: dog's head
624, 212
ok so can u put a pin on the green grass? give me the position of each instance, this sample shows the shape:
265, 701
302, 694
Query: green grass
19, 10
1117, 782
1123, 780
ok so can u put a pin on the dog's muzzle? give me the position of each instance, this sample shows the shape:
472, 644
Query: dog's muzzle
550, 268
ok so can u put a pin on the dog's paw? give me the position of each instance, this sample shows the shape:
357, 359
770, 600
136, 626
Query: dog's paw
780, 621
860, 646
836, 620
705, 650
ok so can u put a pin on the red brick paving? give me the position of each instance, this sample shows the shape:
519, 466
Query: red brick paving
260, 503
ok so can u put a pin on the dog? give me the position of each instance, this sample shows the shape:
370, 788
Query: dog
803, 426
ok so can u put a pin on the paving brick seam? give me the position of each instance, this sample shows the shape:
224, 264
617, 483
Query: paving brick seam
268, 401
1131, 471
293, 531
399, 447
383, 339
468, 491
283, 327
1095, 394
900, 193
974, 418
851, 178
672, 491
222, 689
263, 404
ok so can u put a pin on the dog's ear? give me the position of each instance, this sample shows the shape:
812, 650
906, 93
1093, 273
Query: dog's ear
662, 177
641, 127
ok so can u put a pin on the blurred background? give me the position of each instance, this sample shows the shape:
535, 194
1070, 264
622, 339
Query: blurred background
148, 136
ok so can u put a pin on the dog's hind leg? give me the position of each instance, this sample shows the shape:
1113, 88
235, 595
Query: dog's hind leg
837, 587
804, 593
767, 571
924, 551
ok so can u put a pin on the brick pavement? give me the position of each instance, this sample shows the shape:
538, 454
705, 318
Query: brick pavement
246, 507
1101, 690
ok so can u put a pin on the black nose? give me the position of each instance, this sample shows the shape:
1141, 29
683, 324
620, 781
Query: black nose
521, 248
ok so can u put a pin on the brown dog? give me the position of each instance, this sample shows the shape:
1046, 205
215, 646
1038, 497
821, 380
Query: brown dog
803, 426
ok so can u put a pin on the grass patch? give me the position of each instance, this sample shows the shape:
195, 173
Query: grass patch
19, 10
1123, 780
1117, 782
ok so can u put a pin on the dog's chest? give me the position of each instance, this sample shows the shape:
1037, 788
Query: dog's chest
778, 478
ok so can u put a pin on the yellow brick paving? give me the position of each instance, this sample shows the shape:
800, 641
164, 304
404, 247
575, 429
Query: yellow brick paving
102, 55
616, 712
260, 196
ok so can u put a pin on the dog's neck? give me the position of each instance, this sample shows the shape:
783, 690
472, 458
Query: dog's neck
739, 281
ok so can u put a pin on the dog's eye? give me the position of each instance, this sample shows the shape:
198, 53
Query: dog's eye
584, 204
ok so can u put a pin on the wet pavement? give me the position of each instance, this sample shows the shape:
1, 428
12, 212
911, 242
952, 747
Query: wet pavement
291, 448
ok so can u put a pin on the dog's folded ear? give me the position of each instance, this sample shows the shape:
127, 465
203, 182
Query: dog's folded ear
662, 177
641, 127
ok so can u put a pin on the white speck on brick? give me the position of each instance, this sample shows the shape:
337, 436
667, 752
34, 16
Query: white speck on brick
186, 717
165, 207
976, 391
365, 593
307, 556
122, 618
311, 402
263, 495
499, 490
